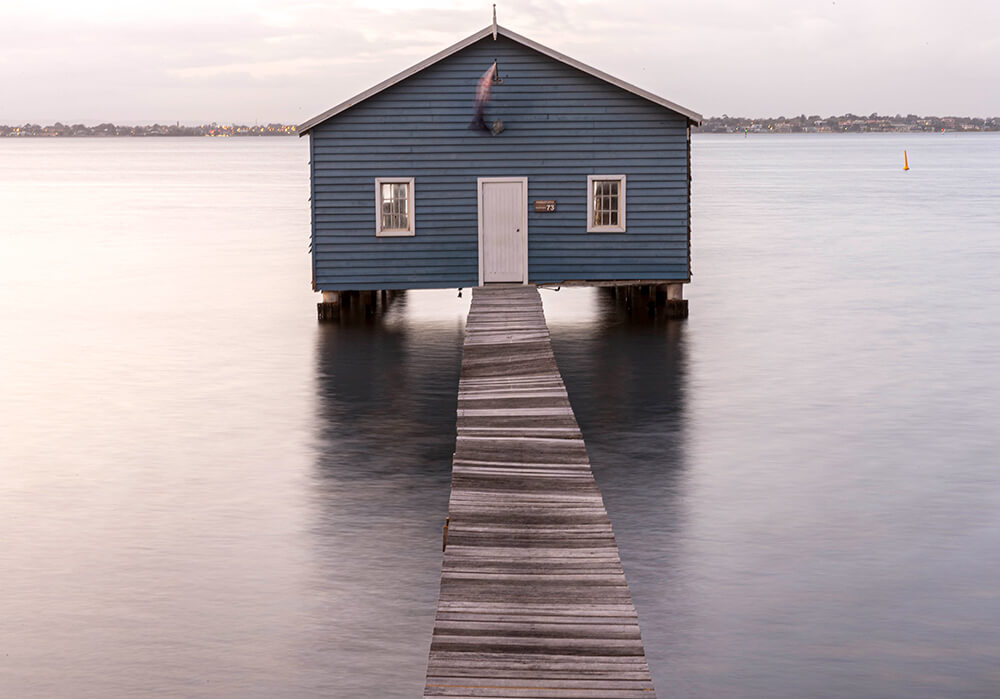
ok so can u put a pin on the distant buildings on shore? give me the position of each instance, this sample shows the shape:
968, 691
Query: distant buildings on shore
848, 123
104, 130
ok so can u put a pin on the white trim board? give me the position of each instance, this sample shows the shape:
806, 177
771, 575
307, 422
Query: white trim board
306, 126
524, 218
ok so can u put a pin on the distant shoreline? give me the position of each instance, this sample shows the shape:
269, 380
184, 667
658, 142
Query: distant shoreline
109, 130
847, 123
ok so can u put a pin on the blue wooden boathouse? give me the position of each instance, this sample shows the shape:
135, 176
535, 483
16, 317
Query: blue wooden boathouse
565, 175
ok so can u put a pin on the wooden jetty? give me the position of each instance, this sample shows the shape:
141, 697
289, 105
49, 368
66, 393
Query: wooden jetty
533, 598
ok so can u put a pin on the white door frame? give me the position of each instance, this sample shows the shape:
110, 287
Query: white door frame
524, 218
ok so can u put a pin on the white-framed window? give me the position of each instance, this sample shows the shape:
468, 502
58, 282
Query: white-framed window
394, 213
605, 203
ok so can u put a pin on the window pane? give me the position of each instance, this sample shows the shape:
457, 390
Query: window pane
394, 206
606, 202
404, 193
386, 213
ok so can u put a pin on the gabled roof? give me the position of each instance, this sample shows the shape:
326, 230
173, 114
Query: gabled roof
304, 127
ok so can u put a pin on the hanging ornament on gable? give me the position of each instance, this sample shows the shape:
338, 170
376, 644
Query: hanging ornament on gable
490, 78
483, 91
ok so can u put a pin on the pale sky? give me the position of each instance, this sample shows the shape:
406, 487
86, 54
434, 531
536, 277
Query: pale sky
264, 60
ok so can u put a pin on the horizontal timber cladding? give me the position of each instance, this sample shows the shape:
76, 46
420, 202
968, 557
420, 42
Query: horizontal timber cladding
560, 125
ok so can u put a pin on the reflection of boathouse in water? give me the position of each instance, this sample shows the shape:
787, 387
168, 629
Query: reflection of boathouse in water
385, 436
501, 160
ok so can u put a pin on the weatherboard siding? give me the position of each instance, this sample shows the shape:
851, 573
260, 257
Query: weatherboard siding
560, 126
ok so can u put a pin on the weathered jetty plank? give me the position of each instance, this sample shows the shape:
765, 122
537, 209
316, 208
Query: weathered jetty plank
533, 598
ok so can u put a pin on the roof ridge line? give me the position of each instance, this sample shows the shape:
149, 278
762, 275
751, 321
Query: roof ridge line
309, 124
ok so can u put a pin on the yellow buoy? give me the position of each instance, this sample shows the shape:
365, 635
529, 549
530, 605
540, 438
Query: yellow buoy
906, 163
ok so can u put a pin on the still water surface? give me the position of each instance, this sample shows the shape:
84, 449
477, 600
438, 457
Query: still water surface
204, 493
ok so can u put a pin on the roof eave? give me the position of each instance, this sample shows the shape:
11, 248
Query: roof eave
303, 128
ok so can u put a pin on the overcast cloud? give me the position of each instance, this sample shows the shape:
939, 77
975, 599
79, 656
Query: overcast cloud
262, 61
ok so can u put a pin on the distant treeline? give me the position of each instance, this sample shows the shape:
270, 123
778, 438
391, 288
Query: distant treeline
103, 130
850, 123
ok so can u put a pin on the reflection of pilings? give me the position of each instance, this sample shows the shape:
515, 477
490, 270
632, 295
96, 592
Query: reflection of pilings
391, 375
626, 359
355, 305
650, 300
373, 502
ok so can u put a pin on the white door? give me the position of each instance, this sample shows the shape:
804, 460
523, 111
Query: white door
503, 229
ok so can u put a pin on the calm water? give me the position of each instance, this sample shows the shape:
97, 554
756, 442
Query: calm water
204, 493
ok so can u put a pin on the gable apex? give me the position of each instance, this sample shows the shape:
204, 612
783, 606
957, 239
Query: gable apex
306, 126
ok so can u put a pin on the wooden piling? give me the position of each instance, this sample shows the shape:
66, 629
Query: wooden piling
346, 305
